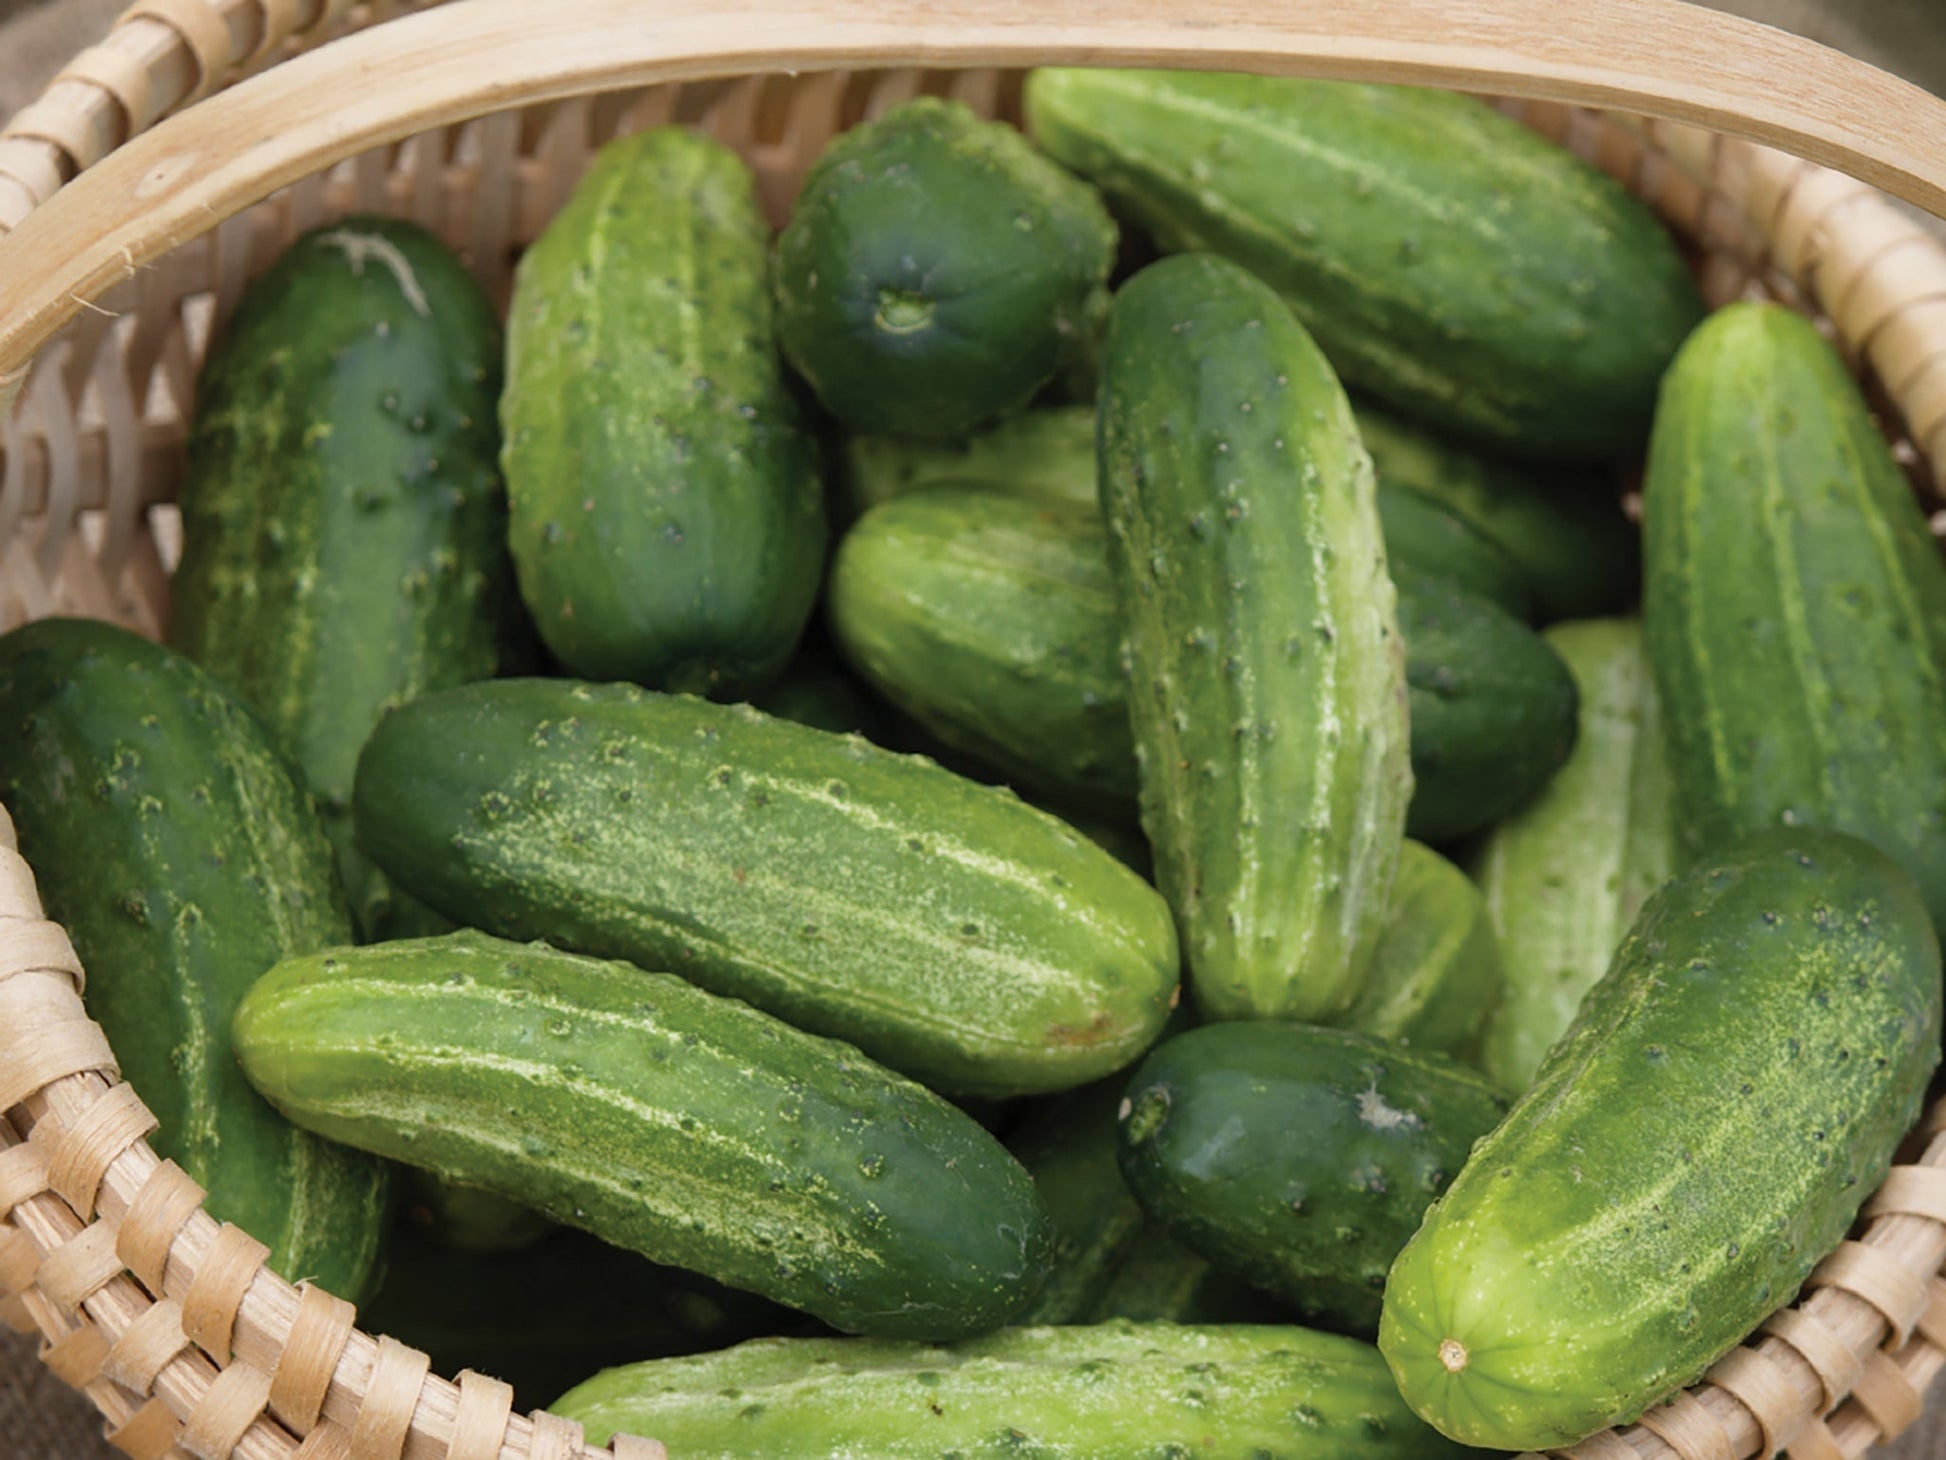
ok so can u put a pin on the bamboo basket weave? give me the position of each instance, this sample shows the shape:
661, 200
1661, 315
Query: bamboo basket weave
126, 239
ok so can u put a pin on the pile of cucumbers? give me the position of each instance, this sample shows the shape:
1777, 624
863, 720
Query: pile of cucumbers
1034, 816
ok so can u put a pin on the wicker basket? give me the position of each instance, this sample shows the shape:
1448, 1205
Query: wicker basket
476, 120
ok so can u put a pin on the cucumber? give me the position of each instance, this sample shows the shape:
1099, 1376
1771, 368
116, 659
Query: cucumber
945, 928
937, 271
667, 510
553, 1313
1105, 1392
1206, 1146
815, 690
176, 846
1795, 607
468, 1219
1044, 455
1698, 1140
1435, 975
1564, 531
1424, 539
344, 525
1565, 876
1245, 546
691, 1129
1160, 1280
1447, 259
1494, 710
989, 619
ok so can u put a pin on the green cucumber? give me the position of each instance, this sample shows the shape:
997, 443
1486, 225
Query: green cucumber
1157, 1279
1044, 455
1206, 1146
468, 1219
1795, 606
815, 690
1423, 538
1493, 710
667, 514
1245, 545
1694, 1145
947, 929
1565, 876
1435, 975
983, 616
1106, 1392
1446, 258
551, 1314
937, 271
1565, 534
691, 1129
344, 526
174, 843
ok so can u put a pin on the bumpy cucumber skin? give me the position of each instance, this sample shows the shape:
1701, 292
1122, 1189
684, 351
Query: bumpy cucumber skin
1700, 1137
937, 271
176, 846
1494, 710
1796, 603
553, 1313
947, 929
344, 523
667, 510
1565, 876
1245, 546
1436, 973
1563, 530
1206, 1144
1447, 259
1423, 538
692, 1129
1104, 1392
1044, 455
981, 616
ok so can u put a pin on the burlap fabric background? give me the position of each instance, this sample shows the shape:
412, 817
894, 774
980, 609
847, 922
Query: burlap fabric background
40, 1418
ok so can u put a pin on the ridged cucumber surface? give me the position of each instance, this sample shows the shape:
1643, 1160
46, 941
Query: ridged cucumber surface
1424, 538
344, 524
946, 928
667, 509
982, 616
937, 271
1796, 602
1565, 876
1435, 976
1299, 1159
1446, 258
691, 1129
1267, 675
1697, 1141
176, 845
1046, 455
1105, 1392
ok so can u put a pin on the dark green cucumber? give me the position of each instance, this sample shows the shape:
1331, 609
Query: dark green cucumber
945, 928
691, 1129
1435, 976
815, 690
982, 616
937, 271
1564, 532
667, 515
1446, 258
1493, 710
1044, 455
1697, 1141
1158, 1279
1565, 876
1106, 1392
1268, 703
1299, 1158
553, 1313
467, 1218
344, 525
176, 846
1795, 607
1424, 539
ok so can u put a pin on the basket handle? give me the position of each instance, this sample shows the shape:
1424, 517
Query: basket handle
1661, 58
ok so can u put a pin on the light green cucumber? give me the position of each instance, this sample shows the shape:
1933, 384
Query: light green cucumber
667, 513
1699, 1139
1435, 976
1564, 877
946, 928
1268, 695
1104, 1392
1044, 455
689, 1128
